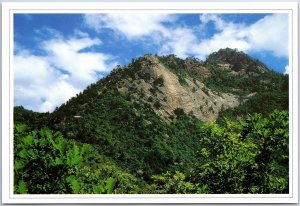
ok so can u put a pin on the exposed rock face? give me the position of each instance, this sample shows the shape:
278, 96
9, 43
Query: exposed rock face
169, 93
168, 85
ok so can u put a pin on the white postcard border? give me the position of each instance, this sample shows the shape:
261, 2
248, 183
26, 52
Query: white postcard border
8, 9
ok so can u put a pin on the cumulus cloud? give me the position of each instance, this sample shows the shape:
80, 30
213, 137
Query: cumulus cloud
131, 25
179, 42
268, 34
42, 83
82, 66
38, 85
170, 40
228, 37
219, 23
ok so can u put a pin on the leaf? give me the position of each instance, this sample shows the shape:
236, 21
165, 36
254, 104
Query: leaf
110, 184
58, 161
23, 154
28, 140
22, 188
48, 134
98, 189
85, 148
21, 127
43, 142
32, 154
60, 146
18, 164
75, 185
73, 156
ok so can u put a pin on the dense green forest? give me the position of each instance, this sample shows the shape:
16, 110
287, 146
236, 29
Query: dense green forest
104, 142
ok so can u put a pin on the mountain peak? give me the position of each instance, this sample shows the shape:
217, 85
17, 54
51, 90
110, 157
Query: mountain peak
236, 60
167, 83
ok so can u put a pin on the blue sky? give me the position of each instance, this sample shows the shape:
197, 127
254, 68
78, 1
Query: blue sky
57, 55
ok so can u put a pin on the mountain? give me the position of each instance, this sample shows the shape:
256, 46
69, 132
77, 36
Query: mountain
153, 119
227, 79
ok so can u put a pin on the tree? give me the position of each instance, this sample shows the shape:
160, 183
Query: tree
248, 156
46, 163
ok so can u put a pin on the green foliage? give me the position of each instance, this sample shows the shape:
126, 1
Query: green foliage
223, 80
130, 133
244, 75
267, 86
249, 156
46, 163
276, 98
237, 59
21, 187
153, 90
177, 66
34, 119
174, 184
179, 112
159, 82
157, 104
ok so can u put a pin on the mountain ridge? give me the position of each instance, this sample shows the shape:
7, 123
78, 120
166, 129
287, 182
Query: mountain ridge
201, 88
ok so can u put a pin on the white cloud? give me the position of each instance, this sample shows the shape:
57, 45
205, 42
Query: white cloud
44, 82
131, 25
175, 40
179, 42
268, 34
38, 85
47, 32
80, 34
219, 23
83, 66
229, 37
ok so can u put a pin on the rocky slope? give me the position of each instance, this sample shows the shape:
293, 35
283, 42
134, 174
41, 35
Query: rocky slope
164, 92
226, 80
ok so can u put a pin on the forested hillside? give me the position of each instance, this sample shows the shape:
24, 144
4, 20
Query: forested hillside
162, 125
